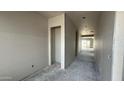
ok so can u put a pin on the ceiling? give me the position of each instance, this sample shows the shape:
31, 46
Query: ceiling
49, 14
85, 26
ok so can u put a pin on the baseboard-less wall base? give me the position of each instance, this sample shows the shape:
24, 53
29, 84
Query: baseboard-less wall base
33, 74
41, 71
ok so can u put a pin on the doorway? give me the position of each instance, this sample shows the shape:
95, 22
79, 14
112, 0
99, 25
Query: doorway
76, 43
56, 45
87, 42
87, 48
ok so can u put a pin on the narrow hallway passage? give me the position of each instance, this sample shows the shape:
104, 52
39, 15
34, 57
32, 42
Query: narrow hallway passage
79, 70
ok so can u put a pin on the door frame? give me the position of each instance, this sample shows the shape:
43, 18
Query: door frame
49, 46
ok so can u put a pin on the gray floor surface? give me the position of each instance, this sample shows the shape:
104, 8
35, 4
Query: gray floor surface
82, 69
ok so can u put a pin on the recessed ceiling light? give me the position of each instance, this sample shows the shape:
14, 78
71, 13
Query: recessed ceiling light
83, 17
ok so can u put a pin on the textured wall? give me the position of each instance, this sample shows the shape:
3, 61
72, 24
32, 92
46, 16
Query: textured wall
70, 38
23, 43
104, 44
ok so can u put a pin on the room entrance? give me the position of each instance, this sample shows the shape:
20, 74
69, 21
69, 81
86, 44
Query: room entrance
56, 45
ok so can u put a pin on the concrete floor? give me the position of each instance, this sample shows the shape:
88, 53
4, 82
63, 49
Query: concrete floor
82, 69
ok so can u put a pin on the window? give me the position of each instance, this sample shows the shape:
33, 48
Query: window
87, 42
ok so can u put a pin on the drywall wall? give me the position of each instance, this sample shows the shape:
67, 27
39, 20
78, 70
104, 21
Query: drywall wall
55, 22
70, 40
104, 44
23, 43
118, 48
58, 45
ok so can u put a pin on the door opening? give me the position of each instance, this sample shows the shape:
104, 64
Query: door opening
87, 48
56, 45
87, 42
76, 43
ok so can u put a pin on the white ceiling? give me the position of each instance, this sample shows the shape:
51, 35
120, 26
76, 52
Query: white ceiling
84, 25
49, 14
76, 16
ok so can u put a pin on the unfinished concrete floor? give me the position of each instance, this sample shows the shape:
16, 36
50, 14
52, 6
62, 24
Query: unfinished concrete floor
79, 70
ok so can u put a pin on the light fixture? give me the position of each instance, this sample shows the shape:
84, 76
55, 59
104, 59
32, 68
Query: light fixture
83, 17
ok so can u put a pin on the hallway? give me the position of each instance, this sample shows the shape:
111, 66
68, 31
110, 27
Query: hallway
79, 70
31, 42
